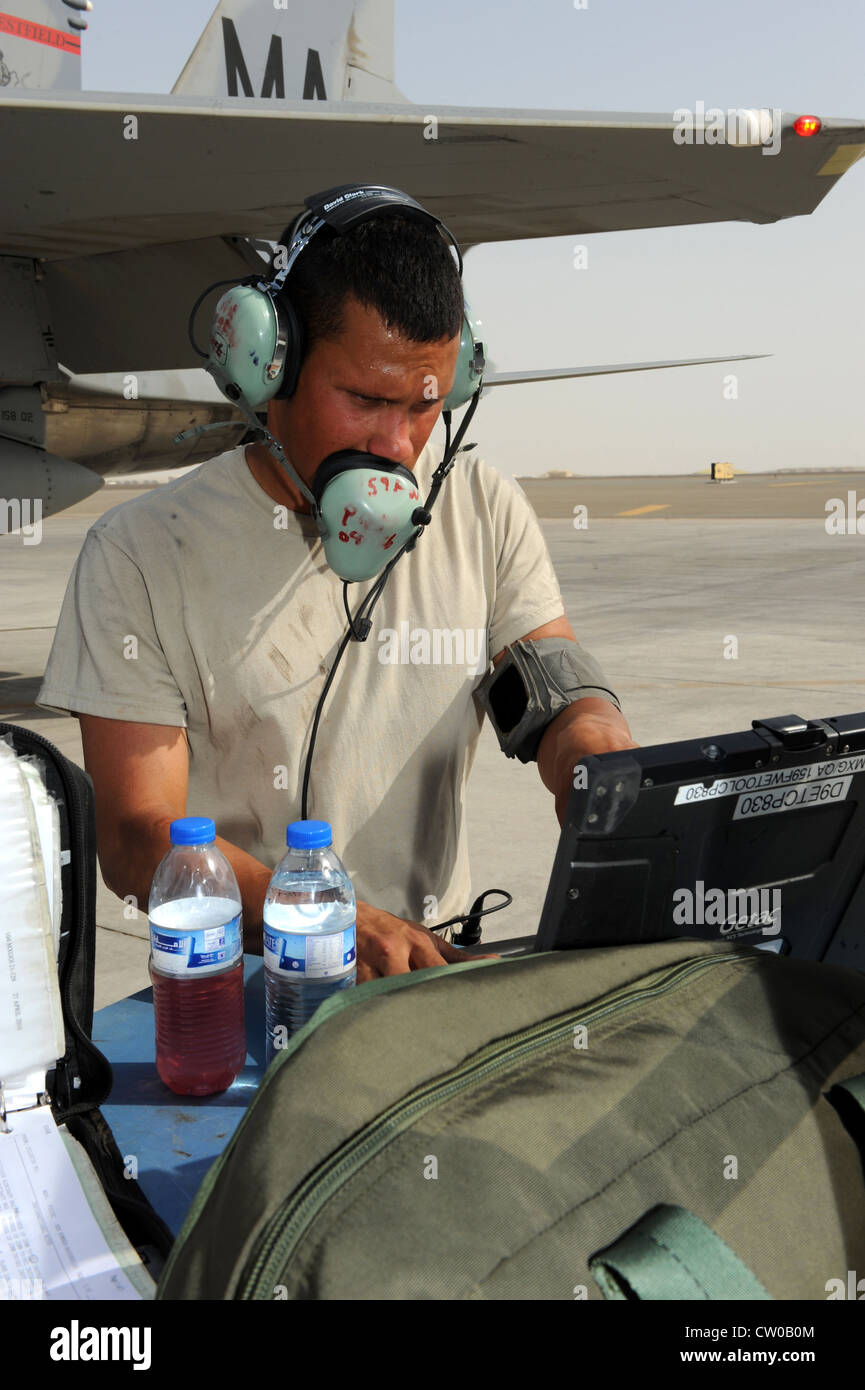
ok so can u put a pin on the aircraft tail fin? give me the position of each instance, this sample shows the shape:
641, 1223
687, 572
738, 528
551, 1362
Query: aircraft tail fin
335, 50
40, 45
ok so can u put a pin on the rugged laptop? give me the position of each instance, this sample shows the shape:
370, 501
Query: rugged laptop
755, 837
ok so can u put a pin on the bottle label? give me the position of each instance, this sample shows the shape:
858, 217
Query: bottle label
201, 952
312, 956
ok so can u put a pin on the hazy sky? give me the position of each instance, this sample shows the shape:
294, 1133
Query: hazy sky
795, 289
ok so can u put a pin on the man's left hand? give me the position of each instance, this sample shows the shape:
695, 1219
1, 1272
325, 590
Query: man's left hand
389, 945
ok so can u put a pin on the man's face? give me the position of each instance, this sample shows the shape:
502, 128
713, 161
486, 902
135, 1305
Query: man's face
369, 389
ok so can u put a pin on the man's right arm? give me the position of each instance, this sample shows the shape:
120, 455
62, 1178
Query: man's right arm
140, 776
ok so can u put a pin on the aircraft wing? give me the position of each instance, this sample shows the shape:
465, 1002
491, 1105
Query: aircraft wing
81, 182
495, 378
119, 178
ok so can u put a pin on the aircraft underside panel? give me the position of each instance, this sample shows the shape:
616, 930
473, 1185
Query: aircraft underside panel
26, 341
116, 435
132, 307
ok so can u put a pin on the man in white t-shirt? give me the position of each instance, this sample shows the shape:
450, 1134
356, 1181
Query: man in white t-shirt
201, 621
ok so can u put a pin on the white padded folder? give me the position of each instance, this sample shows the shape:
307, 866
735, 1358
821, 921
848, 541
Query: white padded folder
31, 1017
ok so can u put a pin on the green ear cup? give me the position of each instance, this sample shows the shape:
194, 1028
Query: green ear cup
367, 519
470, 362
245, 341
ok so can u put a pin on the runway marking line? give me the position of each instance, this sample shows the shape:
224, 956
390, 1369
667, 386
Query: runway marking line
652, 507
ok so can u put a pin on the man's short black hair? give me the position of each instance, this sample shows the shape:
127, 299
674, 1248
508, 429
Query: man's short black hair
397, 266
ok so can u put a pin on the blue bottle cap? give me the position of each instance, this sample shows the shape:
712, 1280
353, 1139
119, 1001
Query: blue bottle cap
192, 830
308, 834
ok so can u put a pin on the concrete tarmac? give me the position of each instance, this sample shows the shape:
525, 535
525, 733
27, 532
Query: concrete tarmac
755, 496
702, 622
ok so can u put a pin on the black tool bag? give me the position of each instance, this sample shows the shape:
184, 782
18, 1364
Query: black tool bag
82, 1078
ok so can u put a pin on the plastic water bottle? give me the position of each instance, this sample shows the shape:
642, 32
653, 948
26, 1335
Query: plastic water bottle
196, 963
309, 931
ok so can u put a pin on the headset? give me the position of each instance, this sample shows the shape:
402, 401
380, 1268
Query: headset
367, 508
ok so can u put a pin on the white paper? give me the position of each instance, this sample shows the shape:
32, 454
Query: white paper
31, 1017
51, 1245
48, 828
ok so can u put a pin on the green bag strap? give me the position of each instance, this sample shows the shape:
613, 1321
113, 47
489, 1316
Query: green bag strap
671, 1254
848, 1099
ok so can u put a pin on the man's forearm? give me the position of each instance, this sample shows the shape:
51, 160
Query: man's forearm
587, 726
252, 880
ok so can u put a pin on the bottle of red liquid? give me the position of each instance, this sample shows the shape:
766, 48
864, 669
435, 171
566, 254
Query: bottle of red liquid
196, 963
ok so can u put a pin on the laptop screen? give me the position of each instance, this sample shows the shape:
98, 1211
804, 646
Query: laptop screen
755, 837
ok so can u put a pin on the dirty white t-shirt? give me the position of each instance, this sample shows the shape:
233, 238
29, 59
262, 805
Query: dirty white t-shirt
189, 606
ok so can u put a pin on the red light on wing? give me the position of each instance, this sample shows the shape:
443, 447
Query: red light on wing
807, 125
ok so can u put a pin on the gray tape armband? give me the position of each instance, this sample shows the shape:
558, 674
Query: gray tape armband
531, 685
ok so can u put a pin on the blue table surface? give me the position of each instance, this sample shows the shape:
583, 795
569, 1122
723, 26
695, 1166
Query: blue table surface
173, 1139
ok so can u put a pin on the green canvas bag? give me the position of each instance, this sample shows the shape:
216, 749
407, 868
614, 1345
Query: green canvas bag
665, 1121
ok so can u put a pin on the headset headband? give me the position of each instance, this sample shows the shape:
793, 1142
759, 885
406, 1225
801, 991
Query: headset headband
347, 204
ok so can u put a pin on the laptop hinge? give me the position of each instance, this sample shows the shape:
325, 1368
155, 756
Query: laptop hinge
795, 733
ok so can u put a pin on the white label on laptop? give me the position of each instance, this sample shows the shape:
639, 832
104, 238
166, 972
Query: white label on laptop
773, 779
806, 794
